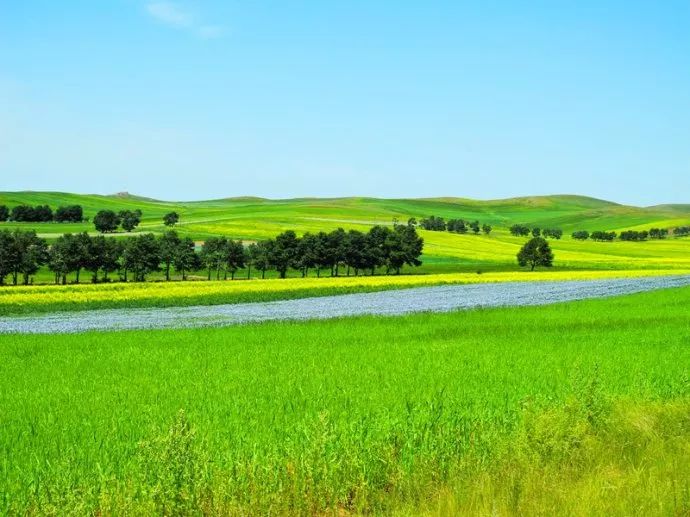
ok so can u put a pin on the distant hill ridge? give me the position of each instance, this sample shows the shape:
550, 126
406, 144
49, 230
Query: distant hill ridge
242, 214
536, 201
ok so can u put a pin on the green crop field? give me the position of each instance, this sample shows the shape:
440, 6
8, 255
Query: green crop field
254, 218
570, 409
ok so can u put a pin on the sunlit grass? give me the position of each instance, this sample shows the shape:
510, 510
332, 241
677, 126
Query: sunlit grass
573, 408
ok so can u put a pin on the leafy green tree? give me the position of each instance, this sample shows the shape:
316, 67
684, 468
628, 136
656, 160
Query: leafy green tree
536, 232
356, 252
486, 228
106, 221
8, 255
553, 233
95, 255
69, 214
186, 259
171, 219
234, 257
4, 213
71, 253
213, 253
602, 236
168, 243
658, 233
457, 226
142, 256
335, 244
519, 230
285, 252
474, 226
130, 219
112, 256
59, 258
403, 246
309, 253
580, 235
260, 255
536, 252
29, 253
433, 223
79, 253
377, 247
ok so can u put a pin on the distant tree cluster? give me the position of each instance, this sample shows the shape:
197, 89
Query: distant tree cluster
41, 214
630, 235
382, 246
521, 230
658, 233
23, 253
438, 224
681, 231
108, 221
171, 219
602, 236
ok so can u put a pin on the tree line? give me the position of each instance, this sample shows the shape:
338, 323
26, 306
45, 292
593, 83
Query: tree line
23, 253
42, 214
521, 230
439, 224
631, 235
108, 221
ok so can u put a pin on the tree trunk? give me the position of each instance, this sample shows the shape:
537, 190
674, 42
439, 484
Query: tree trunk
249, 272
167, 271
318, 272
263, 274
78, 273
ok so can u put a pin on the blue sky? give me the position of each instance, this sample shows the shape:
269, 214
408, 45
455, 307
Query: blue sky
194, 100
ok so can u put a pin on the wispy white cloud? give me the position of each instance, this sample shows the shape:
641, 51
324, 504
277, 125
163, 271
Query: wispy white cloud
177, 17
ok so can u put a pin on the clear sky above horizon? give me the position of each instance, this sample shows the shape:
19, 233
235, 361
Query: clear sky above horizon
207, 99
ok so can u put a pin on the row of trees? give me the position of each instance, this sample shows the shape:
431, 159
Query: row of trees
42, 214
23, 253
521, 230
631, 235
108, 221
438, 224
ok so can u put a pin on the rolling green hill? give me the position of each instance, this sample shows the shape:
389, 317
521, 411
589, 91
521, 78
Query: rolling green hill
251, 218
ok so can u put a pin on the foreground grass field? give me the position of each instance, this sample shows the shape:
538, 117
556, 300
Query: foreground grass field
51, 298
578, 408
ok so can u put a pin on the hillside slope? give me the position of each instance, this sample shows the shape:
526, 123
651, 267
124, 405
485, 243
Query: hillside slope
250, 218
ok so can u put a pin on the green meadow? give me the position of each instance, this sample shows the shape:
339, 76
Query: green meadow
254, 218
570, 409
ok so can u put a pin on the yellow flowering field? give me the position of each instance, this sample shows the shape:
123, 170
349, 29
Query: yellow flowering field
27, 299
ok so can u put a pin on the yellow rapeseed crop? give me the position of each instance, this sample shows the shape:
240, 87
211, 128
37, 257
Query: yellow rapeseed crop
23, 299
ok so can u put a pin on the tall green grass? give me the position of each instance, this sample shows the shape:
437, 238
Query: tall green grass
505, 411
